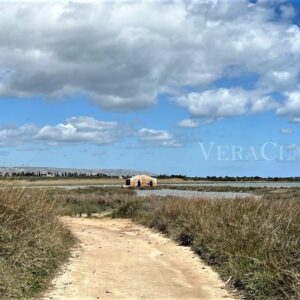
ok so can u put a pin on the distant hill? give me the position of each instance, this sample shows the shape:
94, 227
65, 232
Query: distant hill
60, 171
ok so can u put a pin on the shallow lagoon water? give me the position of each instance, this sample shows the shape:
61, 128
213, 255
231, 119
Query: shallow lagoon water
160, 192
280, 184
241, 184
192, 194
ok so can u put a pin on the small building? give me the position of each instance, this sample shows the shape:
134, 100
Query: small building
141, 181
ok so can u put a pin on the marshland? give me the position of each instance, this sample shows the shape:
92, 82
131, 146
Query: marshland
252, 242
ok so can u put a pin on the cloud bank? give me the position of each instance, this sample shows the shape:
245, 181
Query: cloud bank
122, 54
219, 103
83, 130
74, 130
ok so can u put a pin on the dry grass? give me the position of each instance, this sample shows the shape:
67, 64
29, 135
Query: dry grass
56, 181
91, 200
32, 242
254, 242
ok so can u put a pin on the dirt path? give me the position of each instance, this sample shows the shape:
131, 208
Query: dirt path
118, 259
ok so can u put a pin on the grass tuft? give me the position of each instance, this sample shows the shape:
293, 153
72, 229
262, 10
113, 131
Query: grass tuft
256, 242
32, 242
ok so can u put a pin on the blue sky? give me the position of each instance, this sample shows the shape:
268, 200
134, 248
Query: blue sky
152, 86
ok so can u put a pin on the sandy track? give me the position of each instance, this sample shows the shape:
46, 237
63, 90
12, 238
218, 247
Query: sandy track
118, 259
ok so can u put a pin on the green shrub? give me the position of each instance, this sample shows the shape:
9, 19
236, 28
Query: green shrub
128, 209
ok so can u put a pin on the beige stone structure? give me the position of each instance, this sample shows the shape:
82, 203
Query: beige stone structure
141, 181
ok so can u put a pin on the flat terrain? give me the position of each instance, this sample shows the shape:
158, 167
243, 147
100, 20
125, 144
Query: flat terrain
61, 181
118, 259
81, 182
77, 181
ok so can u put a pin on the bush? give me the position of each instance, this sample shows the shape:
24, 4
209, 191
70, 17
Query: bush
254, 241
32, 242
128, 209
91, 200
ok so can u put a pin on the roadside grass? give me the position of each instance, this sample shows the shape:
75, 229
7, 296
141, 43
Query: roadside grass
254, 243
33, 243
89, 201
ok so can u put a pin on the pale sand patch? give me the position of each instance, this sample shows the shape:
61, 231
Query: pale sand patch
118, 259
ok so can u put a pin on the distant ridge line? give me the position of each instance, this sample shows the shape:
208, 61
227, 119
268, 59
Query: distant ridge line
87, 171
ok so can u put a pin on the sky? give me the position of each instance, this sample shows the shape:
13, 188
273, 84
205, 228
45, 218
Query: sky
201, 88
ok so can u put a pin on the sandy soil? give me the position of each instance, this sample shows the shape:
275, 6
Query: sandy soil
118, 259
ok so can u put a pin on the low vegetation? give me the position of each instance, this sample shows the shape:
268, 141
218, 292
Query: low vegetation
253, 243
33, 242
91, 201
210, 188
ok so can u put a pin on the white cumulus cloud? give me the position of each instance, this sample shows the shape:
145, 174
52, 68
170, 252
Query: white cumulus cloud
83, 130
122, 54
220, 103
13, 135
291, 106
188, 123
74, 130
157, 137
78, 130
